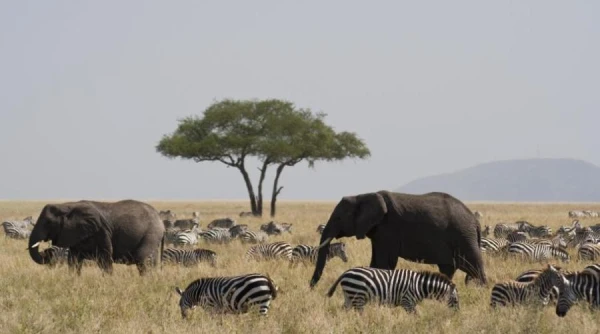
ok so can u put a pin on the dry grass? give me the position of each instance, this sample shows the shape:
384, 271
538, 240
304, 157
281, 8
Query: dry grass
36, 299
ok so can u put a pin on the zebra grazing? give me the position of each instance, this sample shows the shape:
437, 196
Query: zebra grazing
320, 228
394, 287
493, 246
13, 231
189, 257
55, 255
536, 291
309, 253
589, 252
530, 275
222, 222
252, 237
538, 252
238, 230
537, 231
216, 236
186, 238
272, 251
228, 294
583, 285
502, 230
516, 236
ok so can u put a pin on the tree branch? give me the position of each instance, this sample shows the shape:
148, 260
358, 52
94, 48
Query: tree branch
278, 191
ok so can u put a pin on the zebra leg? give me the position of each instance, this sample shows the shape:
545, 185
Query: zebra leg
264, 307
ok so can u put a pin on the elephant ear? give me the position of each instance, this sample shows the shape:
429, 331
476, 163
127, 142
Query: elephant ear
370, 209
80, 223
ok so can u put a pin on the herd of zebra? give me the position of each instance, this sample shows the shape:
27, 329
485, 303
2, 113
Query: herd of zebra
360, 285
538, 243
584, 214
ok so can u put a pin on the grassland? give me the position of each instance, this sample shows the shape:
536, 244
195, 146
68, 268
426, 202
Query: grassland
36, 299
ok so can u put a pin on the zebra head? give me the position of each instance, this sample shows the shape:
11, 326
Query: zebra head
339, 249
453, 298
566, 296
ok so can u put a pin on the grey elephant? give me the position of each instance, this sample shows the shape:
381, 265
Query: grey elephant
433, 228
128, 232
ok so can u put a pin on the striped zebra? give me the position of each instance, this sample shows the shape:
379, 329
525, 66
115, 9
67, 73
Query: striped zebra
189, 257
582, 236
216, 236
583, 285
493, 246
252, 237
303, 253
13, 231
186, 238
272, 251
502, 230
234, 294
589, 252
538, 252
55, 255
557, 241
536, 291
171, 235
402, 287
320, 228
532, 274
516, 236
539, 231
566, 230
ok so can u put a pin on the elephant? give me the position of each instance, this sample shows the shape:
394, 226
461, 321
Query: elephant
127, 231
433, 228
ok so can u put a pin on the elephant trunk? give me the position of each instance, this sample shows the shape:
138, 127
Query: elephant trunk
34, 241
326, 237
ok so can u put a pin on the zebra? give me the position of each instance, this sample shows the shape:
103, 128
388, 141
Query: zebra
276, 250
234, 294
502, 230
238, 230
251, 237
557, 241
309, 253
516, 236
186, 238
537, 290
171, 235
402, 287
491, 246
186, 224
583, 285
189, 257
576, 214
538, 231
11, 230
222, 222
583, 236
320, 228
478, 215
532, 274
567, 231
55, 255
538, 252
589, 252
216, 235
486, 231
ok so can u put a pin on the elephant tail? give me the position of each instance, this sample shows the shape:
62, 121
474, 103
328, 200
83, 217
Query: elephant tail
162, 249
334, 286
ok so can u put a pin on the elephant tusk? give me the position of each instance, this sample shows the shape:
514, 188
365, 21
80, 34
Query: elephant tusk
325, 243
35, 245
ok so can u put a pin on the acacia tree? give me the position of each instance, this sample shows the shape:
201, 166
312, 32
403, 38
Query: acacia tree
273, 131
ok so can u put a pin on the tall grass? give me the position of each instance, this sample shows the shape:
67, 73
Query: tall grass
37, 299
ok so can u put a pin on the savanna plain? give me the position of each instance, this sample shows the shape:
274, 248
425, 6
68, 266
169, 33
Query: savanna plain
38, 299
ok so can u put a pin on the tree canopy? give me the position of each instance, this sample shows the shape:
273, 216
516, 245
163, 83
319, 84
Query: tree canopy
273, 131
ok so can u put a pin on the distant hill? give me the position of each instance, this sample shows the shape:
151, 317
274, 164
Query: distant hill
535, 180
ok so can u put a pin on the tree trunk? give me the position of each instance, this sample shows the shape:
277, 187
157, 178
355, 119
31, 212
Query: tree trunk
263, 172
276, 190
250, 189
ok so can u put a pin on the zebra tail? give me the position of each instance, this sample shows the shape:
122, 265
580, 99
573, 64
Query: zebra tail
334, 286
272, 286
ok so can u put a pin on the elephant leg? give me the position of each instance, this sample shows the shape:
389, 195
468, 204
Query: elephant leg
75, 261
384, 253
447, 269
104, 255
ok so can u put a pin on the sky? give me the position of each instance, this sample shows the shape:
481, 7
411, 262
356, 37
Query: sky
88, 88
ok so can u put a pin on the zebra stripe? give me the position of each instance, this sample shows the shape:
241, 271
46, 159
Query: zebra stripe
583, 236
188, 258
185, 238
309, 253
228, 294
493, 246
538, 252
11, 230
516, 236
589, 252
503, 230
216, 235
394, 287
537, 231
536, 291
252, 237
55, 255
557, 241
584, 285
530, 275
276, 250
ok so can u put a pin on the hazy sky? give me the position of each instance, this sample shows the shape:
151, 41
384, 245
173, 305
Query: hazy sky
87, 88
